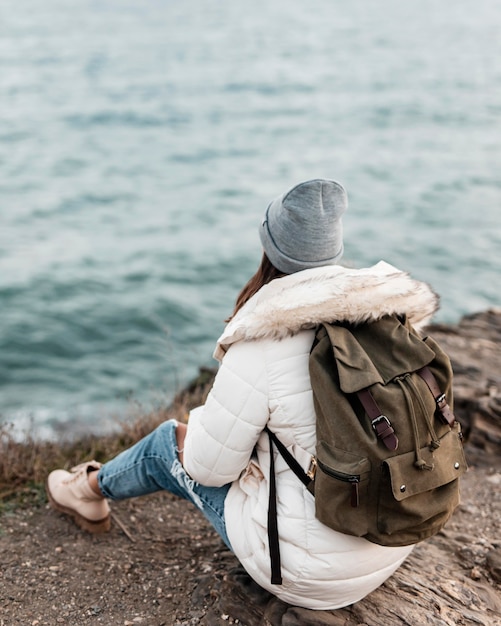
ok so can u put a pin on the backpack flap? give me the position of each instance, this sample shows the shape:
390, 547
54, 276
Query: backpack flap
448, 463
355, 368
352, 346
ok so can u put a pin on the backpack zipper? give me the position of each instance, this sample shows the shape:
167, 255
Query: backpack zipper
352, 479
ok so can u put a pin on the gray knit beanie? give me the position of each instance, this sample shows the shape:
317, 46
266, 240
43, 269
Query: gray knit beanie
302, 228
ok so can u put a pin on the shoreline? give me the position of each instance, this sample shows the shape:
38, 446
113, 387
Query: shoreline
26, 462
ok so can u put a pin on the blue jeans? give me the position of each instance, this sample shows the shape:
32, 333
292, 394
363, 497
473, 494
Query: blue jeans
152, 465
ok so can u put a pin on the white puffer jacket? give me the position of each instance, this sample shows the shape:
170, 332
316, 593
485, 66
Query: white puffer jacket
263, 379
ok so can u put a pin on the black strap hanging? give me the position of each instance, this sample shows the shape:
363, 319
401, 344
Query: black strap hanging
276, 567
289, 459
273, 541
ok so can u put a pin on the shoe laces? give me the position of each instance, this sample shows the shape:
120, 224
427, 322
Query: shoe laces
80, 469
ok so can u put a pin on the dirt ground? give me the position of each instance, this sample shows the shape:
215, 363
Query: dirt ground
143, 572
162, 564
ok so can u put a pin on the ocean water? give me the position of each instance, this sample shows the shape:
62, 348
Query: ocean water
140, 143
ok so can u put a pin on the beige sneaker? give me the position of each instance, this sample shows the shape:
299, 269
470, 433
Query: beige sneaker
70, 493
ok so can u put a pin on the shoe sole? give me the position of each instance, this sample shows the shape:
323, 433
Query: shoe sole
95, 527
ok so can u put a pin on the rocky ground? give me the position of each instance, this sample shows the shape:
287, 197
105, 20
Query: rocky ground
162, 563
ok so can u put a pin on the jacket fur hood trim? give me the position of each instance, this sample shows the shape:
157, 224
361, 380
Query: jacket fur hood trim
329, 294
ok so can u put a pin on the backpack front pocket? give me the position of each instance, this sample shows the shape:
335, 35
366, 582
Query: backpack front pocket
415, 503
341, 490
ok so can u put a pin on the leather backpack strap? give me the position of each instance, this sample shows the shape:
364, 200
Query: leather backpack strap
441, 401
380, 423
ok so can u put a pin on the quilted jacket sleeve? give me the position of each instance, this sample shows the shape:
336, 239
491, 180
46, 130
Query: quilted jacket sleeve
222, 434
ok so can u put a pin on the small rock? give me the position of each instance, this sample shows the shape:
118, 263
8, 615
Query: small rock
495, 479
94, 610
493, 560
475, 574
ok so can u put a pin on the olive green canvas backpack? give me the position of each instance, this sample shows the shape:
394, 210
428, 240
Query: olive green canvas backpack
389, 450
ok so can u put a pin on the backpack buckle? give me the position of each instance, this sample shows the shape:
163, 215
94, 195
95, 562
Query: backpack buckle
312, 470
441, 401
377, 422
384, 431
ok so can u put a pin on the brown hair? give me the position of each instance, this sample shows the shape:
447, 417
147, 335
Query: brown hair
266, 273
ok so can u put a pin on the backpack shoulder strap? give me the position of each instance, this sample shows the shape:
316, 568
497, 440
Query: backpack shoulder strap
273, 541
273, 544
289, 459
